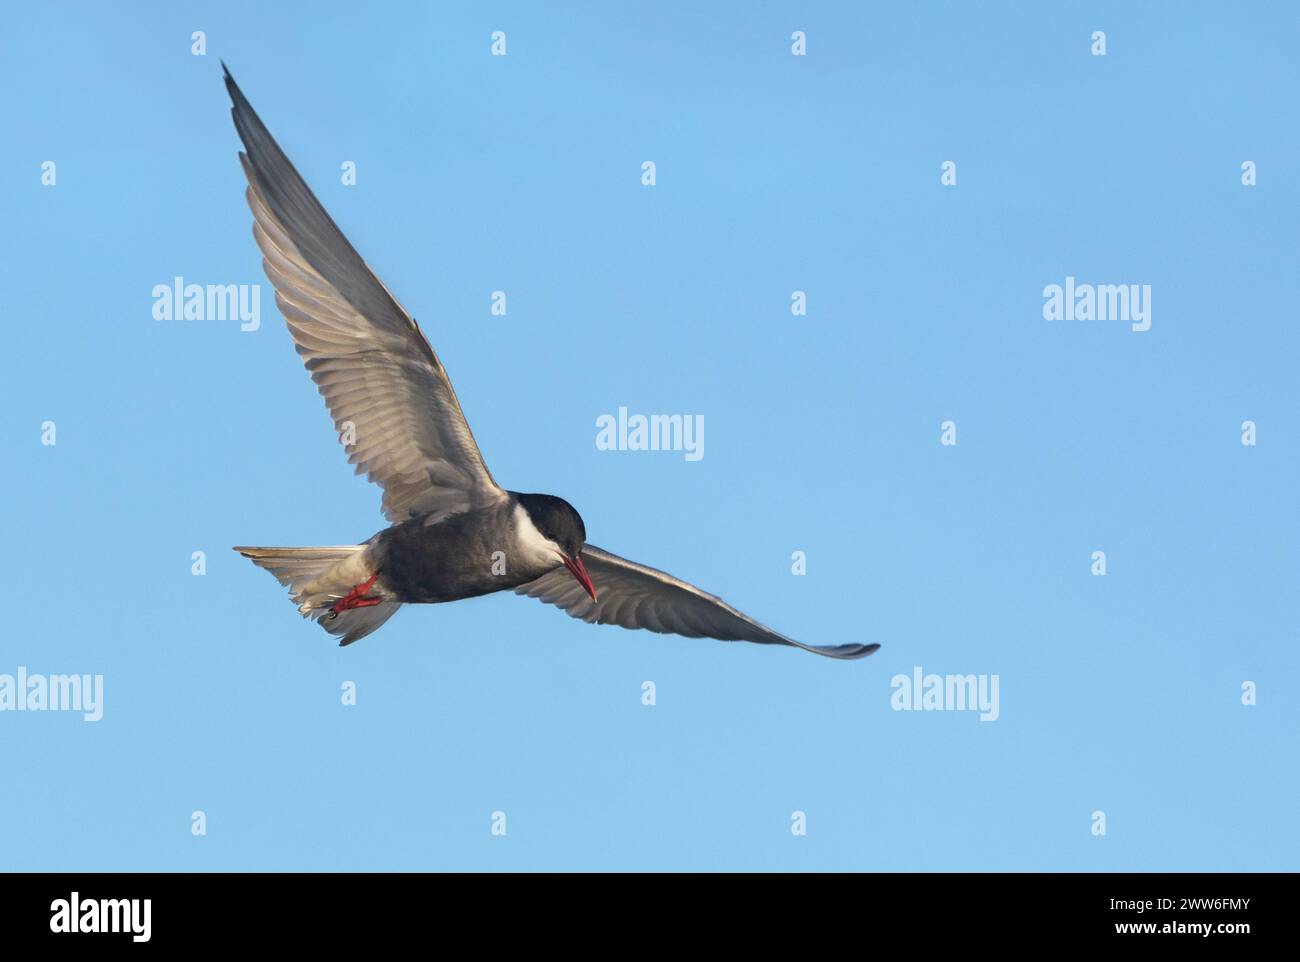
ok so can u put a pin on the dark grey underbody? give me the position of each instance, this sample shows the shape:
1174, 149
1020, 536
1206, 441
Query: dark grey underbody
456, 558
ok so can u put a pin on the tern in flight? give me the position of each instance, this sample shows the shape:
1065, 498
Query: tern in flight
395, 409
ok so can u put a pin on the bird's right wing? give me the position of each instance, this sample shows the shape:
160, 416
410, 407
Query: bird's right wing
635, 596
388, 393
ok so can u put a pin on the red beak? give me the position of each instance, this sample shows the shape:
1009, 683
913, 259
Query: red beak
579, 571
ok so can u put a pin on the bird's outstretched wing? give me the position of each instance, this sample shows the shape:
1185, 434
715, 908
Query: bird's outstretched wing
635, 596
387, 391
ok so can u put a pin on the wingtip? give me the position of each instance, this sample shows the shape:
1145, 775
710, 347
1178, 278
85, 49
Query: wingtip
237, 98
850, 651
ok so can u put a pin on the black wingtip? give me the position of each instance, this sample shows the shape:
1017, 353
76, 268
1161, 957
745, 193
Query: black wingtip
236, 95
849, 651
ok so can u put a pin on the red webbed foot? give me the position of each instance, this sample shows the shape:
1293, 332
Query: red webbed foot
356, 598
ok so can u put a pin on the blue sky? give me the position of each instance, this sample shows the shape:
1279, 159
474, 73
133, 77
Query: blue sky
775, 173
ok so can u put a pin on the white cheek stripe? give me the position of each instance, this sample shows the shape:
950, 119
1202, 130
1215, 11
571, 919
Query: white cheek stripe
532, 540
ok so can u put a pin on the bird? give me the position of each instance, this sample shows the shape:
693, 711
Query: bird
453, 533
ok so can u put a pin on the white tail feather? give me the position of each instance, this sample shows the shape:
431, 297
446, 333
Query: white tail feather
318, 577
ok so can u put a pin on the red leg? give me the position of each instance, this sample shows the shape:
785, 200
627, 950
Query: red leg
356, 597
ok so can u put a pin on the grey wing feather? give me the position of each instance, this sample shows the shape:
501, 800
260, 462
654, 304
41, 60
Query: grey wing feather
382, 381
636, 596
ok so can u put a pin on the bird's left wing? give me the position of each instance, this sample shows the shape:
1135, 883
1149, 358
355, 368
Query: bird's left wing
388, 392
635, 596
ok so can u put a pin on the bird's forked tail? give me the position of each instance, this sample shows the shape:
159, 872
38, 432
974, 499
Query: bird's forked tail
334, 586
